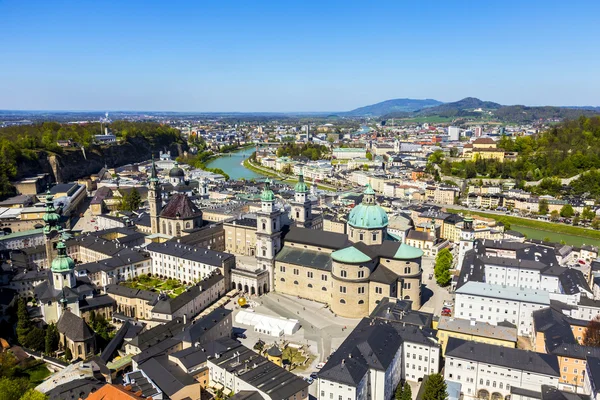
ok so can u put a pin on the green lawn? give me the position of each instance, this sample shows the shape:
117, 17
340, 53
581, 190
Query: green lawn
144, 282
38, 373
534, 229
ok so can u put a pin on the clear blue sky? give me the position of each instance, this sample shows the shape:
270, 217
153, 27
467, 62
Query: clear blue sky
294, 55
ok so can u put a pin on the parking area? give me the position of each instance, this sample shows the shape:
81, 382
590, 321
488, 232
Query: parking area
434, 296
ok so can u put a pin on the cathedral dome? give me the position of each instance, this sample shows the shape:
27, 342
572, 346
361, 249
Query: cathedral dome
368, 214
176, 172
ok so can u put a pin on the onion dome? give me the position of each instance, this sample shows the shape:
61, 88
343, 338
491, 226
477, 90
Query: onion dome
267, 194
301, 187
62, 262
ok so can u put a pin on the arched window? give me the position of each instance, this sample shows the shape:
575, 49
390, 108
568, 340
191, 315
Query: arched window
297, 214
282, 279
342, 301
310, 285
361, 302
324, 289
295, 282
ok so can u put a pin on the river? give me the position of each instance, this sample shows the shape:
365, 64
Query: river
232, 165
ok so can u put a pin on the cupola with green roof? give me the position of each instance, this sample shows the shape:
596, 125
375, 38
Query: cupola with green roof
301, 187
267, 194
62, 262
368, 214
50, 217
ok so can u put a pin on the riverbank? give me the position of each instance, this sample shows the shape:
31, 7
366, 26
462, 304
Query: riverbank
272, 174
533, 229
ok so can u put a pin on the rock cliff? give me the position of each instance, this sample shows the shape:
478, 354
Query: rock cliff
77, 163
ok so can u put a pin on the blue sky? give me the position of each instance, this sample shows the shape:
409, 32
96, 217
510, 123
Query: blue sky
294, 55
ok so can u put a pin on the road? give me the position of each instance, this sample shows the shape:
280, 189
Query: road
433, 295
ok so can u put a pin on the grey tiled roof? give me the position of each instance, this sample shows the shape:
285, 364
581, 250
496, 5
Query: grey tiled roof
546, 364
74, 327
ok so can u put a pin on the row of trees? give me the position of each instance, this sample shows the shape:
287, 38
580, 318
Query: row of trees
443, 264
309, 150
434, 388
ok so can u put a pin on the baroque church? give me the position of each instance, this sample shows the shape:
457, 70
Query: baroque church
351, 272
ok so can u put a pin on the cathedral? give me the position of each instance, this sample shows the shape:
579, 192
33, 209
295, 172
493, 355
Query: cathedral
350, 272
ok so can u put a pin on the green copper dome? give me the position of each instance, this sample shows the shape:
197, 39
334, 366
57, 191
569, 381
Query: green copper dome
406, 252
50, 217
62, 262
267, 194
301, 187
368, 214
350, 255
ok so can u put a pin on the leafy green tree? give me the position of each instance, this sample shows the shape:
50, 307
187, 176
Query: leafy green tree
443, 263
567, 211
8, 364
52, 339
596, 223
435, 388
398, 392
554, 215
23, 322
68, 354
135, 200
406, 392
369, 156
13, 389
543, 207
587, 214
33, 394
35, 339
576, 220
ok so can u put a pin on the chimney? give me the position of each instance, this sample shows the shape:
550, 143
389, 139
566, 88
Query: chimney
184, 319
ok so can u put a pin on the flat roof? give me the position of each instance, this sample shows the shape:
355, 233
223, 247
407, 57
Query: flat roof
504, 292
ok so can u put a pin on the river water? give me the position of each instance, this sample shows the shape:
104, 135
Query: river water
232, 164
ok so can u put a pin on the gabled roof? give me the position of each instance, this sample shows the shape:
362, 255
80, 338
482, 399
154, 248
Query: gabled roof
545, 364
315, 237
180, 206
74, 327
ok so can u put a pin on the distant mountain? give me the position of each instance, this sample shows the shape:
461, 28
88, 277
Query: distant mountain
393, 106
466, 104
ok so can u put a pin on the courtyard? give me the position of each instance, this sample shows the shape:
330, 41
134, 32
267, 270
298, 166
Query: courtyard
172, 287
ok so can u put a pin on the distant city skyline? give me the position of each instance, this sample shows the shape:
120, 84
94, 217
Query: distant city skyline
308, 56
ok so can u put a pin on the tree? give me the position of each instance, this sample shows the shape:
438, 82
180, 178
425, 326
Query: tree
576, 220
287, 169
435, 388
52, 339
33, 394
68, 354
135, 200
369, 156
13, 389
443, 263
554, 215
591, 337
23, 322
399, 392
406, 392
35, 339
587, 214
543, 207
567, 211
596, 223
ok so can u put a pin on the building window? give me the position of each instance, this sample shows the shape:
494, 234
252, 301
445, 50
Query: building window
296, 272
361, 274
343, 273
361, 236
361, 302
310, 285
342, 289
324, 277
281, 268
407, 270
361, 290
342, 301
309, 274
378, 290
374, 236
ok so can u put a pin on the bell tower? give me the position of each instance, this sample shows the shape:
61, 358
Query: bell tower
301, 206
154, 199
268, 232
51, 227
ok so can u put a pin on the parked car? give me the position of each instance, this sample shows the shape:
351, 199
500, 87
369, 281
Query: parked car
314, 375
309, 380
320, 365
